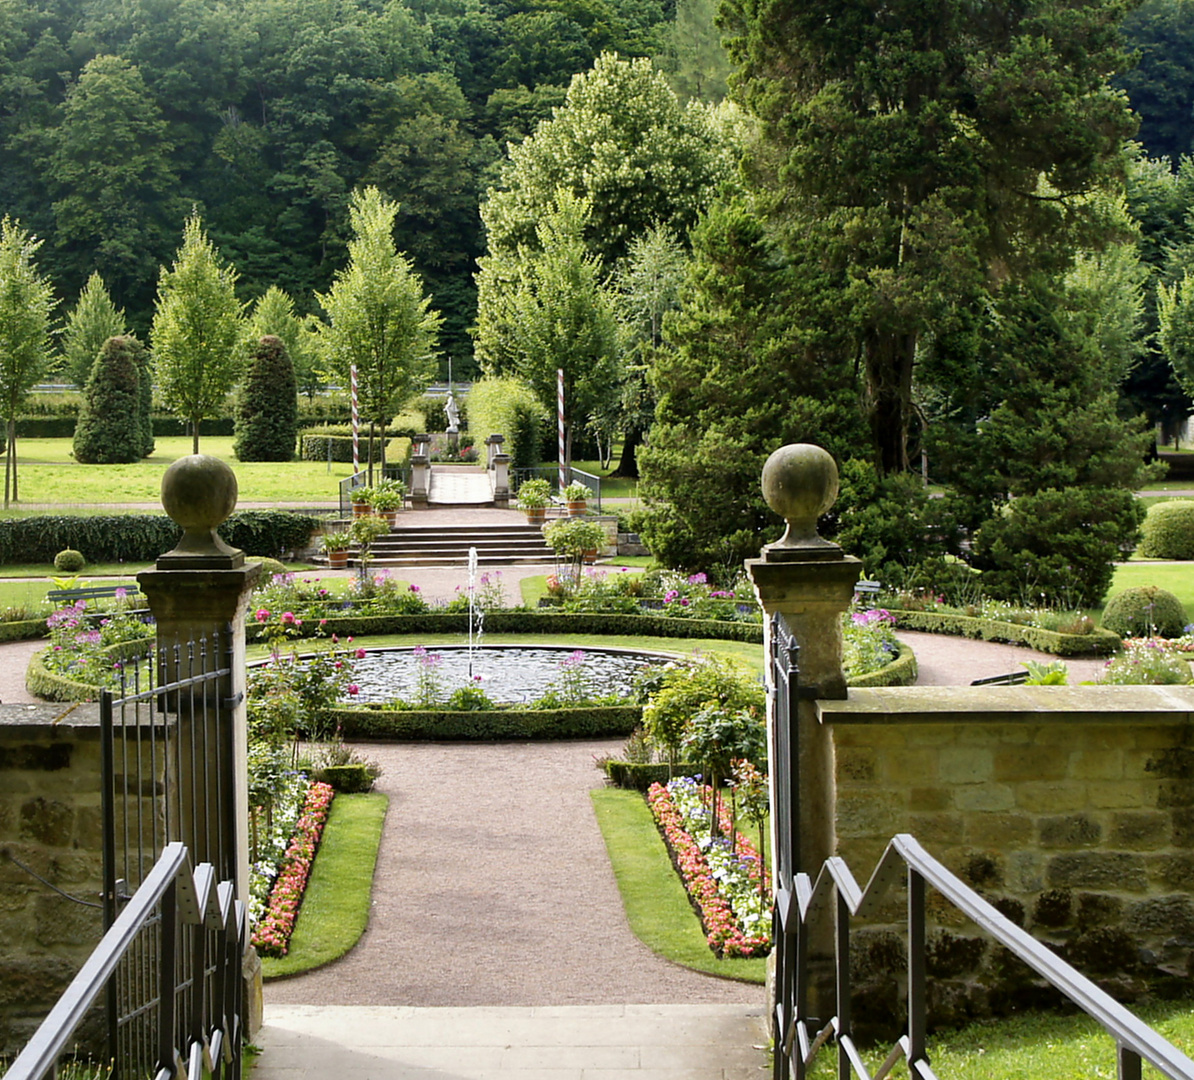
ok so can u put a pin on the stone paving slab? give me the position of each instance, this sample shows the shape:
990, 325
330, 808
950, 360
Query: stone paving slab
603, 1042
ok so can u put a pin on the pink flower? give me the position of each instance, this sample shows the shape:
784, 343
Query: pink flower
353, 689
262, 615
414, 588
335, 639
360, 654
288, 618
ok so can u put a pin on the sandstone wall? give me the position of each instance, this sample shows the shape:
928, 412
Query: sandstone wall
1070, 809
50, 821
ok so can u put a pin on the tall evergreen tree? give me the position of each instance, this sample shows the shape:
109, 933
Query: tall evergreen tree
936, 150
109, 430
267, 412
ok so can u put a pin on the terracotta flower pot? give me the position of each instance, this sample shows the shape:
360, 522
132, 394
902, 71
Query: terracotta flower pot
536, 515
577, 509
360, 509
337, 560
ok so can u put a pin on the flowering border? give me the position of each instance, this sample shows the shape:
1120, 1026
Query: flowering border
271, 936
723, 932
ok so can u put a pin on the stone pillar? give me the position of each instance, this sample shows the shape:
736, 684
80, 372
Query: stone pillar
493, 447
811, 582
198, 593
420, 480
501, 479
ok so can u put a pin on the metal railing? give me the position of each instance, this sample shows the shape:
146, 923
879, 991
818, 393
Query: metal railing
361, 479
552, 474
800, 1037
182, 935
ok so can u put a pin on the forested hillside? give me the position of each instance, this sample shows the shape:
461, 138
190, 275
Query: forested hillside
119, 116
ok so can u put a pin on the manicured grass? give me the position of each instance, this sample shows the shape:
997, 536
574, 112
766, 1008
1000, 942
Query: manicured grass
336, 905
612, 487
656, 904
1034, 1046
49, 475
1177, 578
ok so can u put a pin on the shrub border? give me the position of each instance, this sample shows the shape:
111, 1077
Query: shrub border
902, 671
1099, 643
487, 724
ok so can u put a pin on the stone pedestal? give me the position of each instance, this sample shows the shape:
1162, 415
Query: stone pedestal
810, 581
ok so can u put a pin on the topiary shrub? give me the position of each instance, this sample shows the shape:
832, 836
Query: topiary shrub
1168, 531
1059, 547
110, 429
267, 412
270, 568
69, 561
1145, 611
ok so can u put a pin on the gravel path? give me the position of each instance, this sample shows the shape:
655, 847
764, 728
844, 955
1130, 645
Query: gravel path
493, 888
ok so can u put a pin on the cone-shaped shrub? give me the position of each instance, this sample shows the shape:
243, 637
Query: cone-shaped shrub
110, 428
267, 413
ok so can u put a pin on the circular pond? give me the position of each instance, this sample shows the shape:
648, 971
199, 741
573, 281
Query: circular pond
507, 673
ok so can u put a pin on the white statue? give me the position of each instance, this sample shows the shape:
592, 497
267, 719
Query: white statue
453, 414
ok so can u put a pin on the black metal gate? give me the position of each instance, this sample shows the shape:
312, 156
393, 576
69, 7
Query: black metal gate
785, 815
169, 776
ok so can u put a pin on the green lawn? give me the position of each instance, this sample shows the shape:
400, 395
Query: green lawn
48, 474
1177, 578
656, 904
336, 905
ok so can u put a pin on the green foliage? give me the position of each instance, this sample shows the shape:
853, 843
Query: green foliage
1147, 663
26, 303
534, 494
546, 309
1145, 611
739, 380
1054, 673
1099, 643
111, 426
1175, 312
69, 561
571, 538
687, 689
378, 318
143, 537
1060, 545
271, 568
90, 323
566, 723
314, 444
1161, 83
1168, 531
267, 412
274, 314
197, 329
919, 163
507, 405
622, 143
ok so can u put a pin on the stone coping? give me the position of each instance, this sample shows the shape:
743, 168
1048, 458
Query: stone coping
52, 716
1011, 705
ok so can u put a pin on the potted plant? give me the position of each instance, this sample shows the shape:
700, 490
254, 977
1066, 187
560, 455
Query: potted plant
533, 497
387, 498
576, 540
336, 546
576, 496
360, 497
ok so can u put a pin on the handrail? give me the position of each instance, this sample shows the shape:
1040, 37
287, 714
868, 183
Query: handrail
906, 859
198, 901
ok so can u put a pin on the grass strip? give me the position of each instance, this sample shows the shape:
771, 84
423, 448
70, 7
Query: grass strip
654, 898
336, 904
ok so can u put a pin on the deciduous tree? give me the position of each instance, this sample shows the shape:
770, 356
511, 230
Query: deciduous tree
198, 330
89, 324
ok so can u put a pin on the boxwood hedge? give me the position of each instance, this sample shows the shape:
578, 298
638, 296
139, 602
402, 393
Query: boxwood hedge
1098, 643
578, 723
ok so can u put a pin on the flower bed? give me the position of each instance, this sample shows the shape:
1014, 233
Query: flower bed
723, 885
272, 933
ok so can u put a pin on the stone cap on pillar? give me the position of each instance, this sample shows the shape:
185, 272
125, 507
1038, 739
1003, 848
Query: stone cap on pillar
199, 492
800, 483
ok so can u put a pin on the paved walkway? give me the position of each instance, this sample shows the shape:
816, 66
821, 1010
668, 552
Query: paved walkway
459, 486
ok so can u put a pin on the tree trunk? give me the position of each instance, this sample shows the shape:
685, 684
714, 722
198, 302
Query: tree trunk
372, 428
889, 361
7, 463
628, 464
194, 434
12, 456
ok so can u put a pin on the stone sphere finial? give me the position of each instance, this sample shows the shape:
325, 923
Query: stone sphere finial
199, 492
800, 483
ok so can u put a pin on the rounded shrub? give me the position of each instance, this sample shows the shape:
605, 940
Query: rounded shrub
1168, 531
269, 569
1145, 610
69, 561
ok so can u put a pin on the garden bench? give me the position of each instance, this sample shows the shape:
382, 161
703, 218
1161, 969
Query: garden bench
91, 592
869, 589
1013, 678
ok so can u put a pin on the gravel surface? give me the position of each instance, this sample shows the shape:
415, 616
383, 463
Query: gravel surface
493, 888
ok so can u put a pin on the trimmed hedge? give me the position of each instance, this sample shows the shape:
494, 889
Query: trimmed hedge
24, 630
313, 446
404, 725
640, 775
1168, 531
143, 537
43, 683
1099, 643
533, 622
902, 671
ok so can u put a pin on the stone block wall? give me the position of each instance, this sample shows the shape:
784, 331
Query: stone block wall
50, 822
1070, 809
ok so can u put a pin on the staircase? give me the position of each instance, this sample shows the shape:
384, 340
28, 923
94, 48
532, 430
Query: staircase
448, 545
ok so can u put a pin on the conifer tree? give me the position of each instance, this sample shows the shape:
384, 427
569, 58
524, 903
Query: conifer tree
110, 430
89, 324
267, 412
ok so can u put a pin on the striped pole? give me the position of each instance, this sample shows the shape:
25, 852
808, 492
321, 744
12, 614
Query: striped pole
560, 423
356, 421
